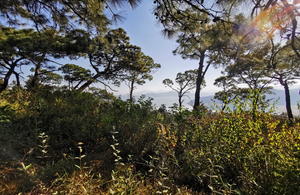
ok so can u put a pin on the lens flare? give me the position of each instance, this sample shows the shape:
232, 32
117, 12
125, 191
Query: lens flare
275, 18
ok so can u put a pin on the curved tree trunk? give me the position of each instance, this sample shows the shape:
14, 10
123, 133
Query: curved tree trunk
199, 81
287, 97
89, 82
6, 79
17, 79
35, 79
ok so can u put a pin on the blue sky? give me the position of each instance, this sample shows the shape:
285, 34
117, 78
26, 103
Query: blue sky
142, 28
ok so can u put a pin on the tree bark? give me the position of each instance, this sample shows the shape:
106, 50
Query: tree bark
288, 101
35, 78
180, 100
131, 91
6, 79
17, 79
287, 98
34, 81
199, 80
89, 82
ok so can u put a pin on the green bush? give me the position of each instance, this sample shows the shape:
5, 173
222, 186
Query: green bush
243, 150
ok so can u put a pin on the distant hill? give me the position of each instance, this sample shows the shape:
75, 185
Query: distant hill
278, 98
170, 97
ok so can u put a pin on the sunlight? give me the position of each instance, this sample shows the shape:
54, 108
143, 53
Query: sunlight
277, 17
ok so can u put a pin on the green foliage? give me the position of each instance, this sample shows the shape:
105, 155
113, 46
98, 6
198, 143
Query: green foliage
61, 14
5, 112
227, 95
154, 151
28, 47
146, 68
44, 146
73, 73
186, 82
110, 54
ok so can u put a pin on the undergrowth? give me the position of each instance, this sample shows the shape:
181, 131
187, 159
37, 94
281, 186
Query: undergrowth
69, 142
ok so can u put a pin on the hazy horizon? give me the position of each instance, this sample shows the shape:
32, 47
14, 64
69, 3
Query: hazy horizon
169, 97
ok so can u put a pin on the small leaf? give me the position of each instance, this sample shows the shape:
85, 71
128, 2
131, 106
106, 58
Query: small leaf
111, 191
28, 167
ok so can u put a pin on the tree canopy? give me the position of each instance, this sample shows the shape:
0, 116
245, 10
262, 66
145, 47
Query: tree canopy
186, 82
61, 15
111, 56
139, 77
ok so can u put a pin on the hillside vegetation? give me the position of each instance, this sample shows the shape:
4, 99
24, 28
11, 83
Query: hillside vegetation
70, 142
59, 134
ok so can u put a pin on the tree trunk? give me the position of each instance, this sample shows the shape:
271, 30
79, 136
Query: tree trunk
89, 82
77, 85
255, 103
35, 79
17, 79
180, 100
199, 80
287, 97
288, 101
6, 79
131, 91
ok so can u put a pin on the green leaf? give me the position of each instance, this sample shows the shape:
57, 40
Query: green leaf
28, 166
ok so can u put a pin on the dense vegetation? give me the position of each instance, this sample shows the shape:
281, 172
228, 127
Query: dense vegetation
59, 135
70, 142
